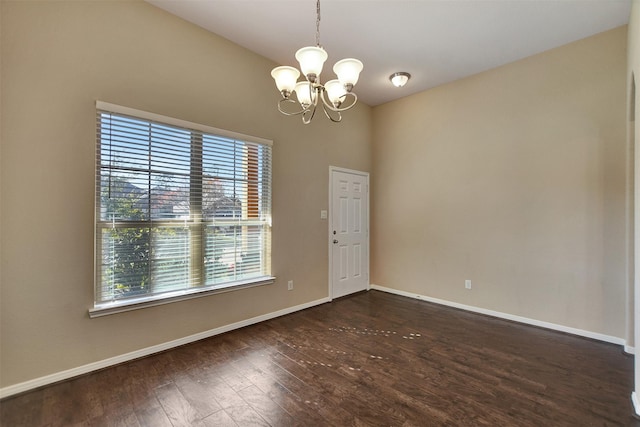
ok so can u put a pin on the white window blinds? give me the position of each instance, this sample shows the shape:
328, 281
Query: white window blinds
180, 207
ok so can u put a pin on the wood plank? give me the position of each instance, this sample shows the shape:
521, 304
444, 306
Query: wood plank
152, 416
23, 410
217, 419
237, 408
178, 409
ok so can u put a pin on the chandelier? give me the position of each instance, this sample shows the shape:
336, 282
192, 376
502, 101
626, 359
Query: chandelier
335, 96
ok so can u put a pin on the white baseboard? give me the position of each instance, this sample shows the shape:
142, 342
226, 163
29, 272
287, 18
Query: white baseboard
520, 319
636, 403
80, 370
629, 350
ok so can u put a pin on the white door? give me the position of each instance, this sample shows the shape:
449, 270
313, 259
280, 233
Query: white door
349, 232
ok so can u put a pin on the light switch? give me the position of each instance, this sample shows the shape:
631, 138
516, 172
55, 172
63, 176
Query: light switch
323, 214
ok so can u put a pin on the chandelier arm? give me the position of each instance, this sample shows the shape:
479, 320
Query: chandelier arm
330, 106
306, 120
287, 113
326, 113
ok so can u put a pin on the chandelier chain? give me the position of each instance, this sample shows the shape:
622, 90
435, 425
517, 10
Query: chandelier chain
318, 23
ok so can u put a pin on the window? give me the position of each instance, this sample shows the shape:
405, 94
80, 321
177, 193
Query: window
181, 209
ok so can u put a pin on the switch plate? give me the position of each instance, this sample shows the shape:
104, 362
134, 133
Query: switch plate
323, 214
290, 285
467, 284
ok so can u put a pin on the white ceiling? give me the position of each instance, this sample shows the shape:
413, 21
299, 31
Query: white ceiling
437, 41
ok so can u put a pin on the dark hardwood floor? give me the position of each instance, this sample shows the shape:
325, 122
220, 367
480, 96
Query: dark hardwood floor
371, 359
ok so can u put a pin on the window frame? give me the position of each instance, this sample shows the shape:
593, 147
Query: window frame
102, 308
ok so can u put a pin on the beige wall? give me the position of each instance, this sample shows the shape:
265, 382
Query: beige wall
57, 59
515, 179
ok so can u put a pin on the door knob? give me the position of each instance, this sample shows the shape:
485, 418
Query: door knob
335, 241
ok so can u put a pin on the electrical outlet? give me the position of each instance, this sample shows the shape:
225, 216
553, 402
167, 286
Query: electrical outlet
467, 284
290, 285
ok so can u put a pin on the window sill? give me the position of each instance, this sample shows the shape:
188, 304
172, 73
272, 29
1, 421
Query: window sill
109, 308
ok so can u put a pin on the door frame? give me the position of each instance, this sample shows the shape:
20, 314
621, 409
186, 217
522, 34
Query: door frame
366, 175
632, 139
